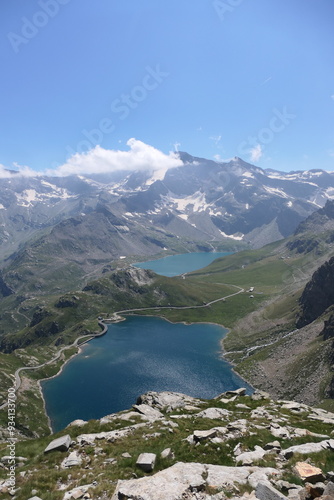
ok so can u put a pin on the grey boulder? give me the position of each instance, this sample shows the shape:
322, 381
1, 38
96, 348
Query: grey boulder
266, 492
146, 461
60, 444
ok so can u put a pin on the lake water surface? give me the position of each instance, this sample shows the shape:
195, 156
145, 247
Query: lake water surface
135, 356
138, 355
173, 265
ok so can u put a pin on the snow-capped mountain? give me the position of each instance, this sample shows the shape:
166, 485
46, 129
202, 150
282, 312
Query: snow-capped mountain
233, 200
202, 200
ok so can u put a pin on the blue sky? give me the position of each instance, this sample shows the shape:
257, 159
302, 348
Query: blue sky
215, 78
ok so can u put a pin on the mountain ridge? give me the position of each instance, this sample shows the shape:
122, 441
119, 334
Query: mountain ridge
233, 198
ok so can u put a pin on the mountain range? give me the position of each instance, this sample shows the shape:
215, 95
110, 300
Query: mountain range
202, 200
60, 230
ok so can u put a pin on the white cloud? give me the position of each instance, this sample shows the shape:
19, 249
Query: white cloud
3, 172
25, 171
141, 156
98, 160
176, 146
256, 153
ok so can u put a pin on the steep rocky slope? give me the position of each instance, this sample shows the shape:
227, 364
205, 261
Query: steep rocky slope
318, 295
78, 247
320, 221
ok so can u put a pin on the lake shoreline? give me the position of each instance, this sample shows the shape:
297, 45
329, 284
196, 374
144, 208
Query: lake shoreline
220, 351
61, 368
119, 316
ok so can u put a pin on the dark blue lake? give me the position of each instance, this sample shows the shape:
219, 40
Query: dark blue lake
135, 356
173, 265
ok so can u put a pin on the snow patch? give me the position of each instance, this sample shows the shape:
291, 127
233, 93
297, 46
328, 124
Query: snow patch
158, 175
25, 198
237, 236
329, 193
49, 185
197, 201
28, 196
215, 211
276, 191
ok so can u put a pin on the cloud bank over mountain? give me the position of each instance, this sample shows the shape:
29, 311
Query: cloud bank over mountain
98, 160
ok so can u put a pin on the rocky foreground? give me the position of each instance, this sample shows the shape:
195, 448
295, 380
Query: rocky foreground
173, 447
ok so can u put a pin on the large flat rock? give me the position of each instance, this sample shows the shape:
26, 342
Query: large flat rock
111, 436
307, 448
308, 472
60, 444
180, 480
169, 484
166, 400
148, 411
249, 457
213, 413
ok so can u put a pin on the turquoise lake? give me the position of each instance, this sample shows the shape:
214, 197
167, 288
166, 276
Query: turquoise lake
138, 355
173, 265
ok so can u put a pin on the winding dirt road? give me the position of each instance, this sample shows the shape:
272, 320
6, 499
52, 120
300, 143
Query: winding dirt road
104, 327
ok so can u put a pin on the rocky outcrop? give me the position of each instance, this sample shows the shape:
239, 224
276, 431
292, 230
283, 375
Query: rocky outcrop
213, 453
303, 244
186, 480
328, 331
318, 294
39, 315
308, 448
167, 400
319, 221
5, 290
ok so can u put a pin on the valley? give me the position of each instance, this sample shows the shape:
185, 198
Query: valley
55, 286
